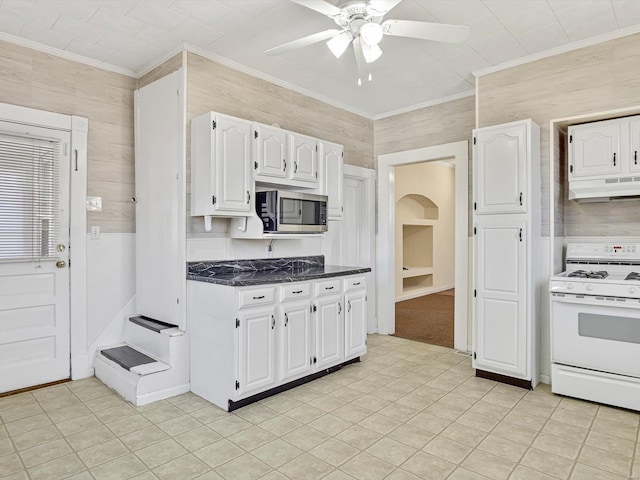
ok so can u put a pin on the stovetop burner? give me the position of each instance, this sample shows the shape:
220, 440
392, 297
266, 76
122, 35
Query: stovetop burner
592, 274
633, 276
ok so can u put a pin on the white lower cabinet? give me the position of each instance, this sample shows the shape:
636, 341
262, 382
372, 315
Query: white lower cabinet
247, 340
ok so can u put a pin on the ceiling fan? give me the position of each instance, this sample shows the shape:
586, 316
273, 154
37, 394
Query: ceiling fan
361, 25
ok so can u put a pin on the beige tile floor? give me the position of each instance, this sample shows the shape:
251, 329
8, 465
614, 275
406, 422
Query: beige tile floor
407, 411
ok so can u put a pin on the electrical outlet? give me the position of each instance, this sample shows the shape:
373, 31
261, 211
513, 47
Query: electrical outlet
95, 232
94, 204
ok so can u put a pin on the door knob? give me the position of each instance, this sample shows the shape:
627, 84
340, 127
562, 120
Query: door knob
61, 264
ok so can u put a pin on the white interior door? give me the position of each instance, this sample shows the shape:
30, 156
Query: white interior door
34, 256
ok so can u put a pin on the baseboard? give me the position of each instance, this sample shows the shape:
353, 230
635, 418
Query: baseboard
162, 394
430, 291
545, 379
497, 377
81, 366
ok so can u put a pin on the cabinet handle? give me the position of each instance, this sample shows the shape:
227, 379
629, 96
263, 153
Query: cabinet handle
635, 157
328, 288
348, 305
520, 234
248, 197
259, 298
284, 164
614, 159
297, 291
295, 167
286, 319
520, 198
356, 283
339, 308
273, 322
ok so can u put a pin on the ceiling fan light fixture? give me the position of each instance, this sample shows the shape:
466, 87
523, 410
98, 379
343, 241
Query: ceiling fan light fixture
339, 43
370, 52
371, 33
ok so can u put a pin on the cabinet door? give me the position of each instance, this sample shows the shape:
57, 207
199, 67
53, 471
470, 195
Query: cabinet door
355, 323
256, 352
296, 356
232, 160
304, 155
500, 168
634, 155
329, 331
500, 320
270, 152
332, 160
594, 149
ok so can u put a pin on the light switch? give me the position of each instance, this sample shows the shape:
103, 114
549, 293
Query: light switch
95, 232
94, 204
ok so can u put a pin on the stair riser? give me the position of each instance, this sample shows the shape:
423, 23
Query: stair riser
152, 343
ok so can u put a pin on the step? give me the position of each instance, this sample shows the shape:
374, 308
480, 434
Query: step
156, 325
133, 360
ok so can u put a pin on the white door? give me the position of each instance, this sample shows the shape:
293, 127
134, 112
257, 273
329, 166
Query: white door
500, 159
634, 155
34, 256
256, 360
296, 337
233, 156
500, 305
355, 323
594, 149
304, 155
270, 151
332, 155
329, 331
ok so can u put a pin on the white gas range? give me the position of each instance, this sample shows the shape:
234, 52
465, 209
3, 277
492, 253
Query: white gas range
595, 324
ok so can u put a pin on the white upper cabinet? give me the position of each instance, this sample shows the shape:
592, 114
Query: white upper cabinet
634, 150
220, 166
500, 160
304, 157
270, 152
594, 149
331, 162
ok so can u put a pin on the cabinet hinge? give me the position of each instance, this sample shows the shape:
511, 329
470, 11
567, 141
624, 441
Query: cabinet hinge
237, 384
237, 322
315, 308
316, 147
316, 174
214, 124
474, 140
475, 293
474, 355
255, 165
213, 199
475, 206
475, 231
315, 359
255, 134
342, 154
570, 168
570, 138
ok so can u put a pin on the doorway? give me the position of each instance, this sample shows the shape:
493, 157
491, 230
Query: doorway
386, 261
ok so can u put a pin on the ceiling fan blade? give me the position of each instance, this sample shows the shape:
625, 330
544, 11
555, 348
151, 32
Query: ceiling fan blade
303, 42
378, 8
320, 6
439, 32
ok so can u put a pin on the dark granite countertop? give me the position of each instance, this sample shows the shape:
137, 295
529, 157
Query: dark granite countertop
242, 273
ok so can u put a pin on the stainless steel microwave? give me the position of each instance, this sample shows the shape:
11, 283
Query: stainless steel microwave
282, 211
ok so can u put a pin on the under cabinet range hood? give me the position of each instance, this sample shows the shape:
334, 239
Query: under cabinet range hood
604, 189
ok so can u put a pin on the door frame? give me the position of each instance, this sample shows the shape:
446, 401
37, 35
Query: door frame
367, 177
459, 151
80, 364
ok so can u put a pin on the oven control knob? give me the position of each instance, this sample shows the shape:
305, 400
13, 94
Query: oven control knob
632, 290
589, 287
569, 286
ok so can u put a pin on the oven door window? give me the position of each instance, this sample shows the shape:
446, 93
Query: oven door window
608, 327
299, 212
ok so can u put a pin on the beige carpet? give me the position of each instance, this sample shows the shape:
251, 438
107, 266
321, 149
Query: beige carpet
427, 319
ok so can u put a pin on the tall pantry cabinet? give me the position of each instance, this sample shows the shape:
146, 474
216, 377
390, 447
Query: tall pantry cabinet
506, 237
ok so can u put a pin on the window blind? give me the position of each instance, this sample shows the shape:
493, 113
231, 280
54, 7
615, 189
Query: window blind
29, 193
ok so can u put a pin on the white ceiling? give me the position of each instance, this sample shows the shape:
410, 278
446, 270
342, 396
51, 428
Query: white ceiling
131, 34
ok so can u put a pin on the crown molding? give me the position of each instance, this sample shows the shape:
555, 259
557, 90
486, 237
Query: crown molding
430, 103
587, 42
74, 57
268, 78
141, 72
